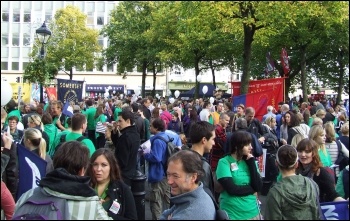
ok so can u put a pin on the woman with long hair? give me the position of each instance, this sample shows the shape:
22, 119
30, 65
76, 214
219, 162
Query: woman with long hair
239, 168
189, 120
318, 134
34, 142
116, 197
100, 117
175, 124
34, 121
301, 203
310, 165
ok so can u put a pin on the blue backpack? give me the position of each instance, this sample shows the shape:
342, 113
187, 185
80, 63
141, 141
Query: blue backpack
41, 206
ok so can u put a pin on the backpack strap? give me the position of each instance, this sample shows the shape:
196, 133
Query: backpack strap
339, 146
63, 138
81, 138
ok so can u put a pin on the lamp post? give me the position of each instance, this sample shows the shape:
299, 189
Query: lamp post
43, 34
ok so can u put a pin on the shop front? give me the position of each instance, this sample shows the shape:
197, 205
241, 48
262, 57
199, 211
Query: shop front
185, 86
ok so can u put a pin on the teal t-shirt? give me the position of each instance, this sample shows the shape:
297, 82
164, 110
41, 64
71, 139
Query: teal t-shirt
237, 207
87, 142
325, 158
117, 111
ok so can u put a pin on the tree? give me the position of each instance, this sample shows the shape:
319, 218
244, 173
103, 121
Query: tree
129, 45
73, 44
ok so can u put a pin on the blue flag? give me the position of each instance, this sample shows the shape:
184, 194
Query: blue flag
335, 210
32, 168
67, 109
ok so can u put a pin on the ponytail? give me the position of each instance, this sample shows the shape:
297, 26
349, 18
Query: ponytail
42, 148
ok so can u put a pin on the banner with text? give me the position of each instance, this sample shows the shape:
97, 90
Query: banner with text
21, 91
69, 90
276, 84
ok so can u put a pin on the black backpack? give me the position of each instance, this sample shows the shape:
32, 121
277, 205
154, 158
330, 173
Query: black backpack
342, 160
62, 140
171, 148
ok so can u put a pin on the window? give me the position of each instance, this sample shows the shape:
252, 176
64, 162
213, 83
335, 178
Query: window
16, 17
5, 5
58, 5
26, 51
16, 5
37, 5
15, 39
15, 52
4, 40
24, 65
48, 5
69, 3
100, 6
26, 39
110, 68
90, 18
80, 5
100, 40
4, 65
90, 6
27, 17
5, 16
27, 5
48, 17
4, 52
15, 66
100, 20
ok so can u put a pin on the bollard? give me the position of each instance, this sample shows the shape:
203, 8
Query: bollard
139, 192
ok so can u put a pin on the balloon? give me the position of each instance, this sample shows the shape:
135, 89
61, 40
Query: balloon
172, 100
137, 92
113, 92
205, 89
177, 93
6, 92
106, 94
211, 100
157, 96
121, 96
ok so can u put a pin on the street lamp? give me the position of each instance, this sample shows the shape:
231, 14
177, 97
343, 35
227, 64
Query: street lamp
43, 34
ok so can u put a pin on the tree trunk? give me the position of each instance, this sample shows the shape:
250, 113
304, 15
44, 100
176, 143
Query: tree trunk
154, 79
196, 68
341, 76
248, 39
212, 72
144, 69
303, 74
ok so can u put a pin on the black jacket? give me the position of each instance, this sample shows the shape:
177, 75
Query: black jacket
10, 175
126, 150
122, 192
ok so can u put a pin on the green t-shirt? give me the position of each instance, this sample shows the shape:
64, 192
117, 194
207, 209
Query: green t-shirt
117, 111
237, 207
87, 142
325, 158
90, 116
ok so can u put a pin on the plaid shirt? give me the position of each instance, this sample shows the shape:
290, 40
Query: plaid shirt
218, 150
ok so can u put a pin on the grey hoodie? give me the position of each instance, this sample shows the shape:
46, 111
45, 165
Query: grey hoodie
293, 198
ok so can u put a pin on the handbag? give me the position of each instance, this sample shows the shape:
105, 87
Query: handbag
100, 127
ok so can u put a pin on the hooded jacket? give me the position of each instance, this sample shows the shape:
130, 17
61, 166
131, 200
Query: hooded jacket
292, 198
83, 202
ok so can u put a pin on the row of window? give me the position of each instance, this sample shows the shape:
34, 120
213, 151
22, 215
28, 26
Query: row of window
50, 5
16, 17
15, 66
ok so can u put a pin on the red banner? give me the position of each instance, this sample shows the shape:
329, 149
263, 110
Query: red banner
51, 93
276, 84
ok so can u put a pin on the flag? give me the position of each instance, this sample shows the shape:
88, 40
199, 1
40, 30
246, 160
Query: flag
259, 101
276, 84
270, 65
285, 62
31, 167
67, 109
336, 210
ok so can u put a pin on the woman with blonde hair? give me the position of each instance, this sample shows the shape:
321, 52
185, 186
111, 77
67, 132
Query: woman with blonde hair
316, 121
318, 134
34, 121
34, 142
332, 144
344, 138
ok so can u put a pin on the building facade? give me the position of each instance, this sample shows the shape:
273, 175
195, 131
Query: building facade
20, 19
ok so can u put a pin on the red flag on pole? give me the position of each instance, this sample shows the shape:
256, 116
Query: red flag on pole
285, 62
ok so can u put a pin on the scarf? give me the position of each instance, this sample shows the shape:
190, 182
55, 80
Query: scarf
305, 171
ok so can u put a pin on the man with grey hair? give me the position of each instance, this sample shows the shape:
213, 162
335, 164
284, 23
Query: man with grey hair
269, 113
32, 111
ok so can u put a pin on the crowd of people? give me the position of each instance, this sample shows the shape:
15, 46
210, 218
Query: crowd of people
93, 154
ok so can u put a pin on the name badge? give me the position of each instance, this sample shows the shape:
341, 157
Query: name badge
234, 166
115, 207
